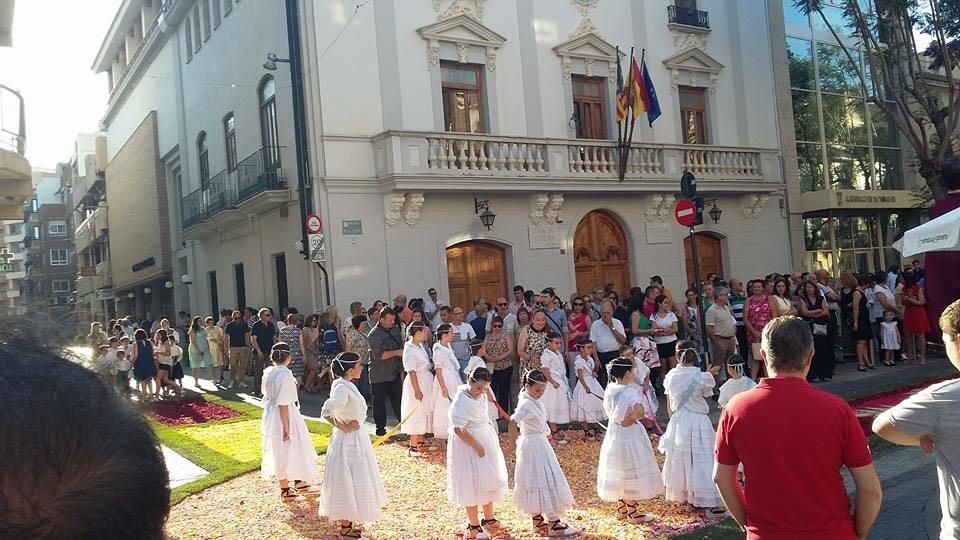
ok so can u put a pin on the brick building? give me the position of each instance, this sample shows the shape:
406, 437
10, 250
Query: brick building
50, 266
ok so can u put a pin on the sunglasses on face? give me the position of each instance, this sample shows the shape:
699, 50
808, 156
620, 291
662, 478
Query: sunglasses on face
578, 304
502, 304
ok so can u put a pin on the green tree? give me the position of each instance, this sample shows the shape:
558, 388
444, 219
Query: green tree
925, 111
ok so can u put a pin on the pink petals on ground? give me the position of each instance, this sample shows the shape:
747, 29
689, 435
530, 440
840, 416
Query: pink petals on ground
187, 412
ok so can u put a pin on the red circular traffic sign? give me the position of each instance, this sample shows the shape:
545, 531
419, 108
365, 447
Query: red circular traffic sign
685, 212
314, 224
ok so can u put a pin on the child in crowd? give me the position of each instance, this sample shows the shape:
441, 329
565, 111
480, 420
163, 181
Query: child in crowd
353, 490
556, 395
447, 370
176, 355
628, 470
688, 442
540, 488
144, 365
587, 393
890, 338
476, 470
122, 377
288, 452
477, 361
107, 359
416, 404
736, 382
642, 383
645, 352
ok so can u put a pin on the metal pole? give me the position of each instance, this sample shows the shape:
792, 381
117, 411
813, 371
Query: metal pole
699, 288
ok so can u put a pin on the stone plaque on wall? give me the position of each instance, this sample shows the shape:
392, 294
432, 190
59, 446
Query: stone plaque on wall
659, 233
544, 236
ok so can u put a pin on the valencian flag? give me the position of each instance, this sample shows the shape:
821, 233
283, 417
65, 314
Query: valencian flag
644, 96
621, 96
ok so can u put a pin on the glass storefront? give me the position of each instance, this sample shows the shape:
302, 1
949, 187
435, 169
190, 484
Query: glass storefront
852, 243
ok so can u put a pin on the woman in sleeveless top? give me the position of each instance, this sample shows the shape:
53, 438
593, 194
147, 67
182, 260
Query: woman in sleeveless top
813, 310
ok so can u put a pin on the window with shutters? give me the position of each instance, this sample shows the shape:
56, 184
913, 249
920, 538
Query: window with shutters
589, 106
462, 88
693, 115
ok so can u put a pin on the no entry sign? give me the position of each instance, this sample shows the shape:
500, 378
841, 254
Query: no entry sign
314, 224
685, 212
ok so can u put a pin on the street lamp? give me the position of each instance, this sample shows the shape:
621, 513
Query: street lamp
487, 217
715, 213
271, 63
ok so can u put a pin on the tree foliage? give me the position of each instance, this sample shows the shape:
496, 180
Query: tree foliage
922, 97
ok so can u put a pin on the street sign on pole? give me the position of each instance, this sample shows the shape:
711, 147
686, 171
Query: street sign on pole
314, 224
688, 185
685, 212
318, 252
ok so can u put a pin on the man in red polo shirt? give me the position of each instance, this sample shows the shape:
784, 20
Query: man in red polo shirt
792, 440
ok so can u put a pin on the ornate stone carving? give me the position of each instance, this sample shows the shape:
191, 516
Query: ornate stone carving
584, 6
612, 75
659, 207
436, 5
392, 207
666, 207
683, 41
471, 8
675, 79
695, 64
463, 53
567, 67
554, 204
433, 51
585, 27
412, 208
491, 59
713, 82
693, 78
754, 205
588, 64
538, 207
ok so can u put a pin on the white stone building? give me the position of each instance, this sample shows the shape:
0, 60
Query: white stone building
417, 109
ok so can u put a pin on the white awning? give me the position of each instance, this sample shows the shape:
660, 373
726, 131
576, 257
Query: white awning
940, 234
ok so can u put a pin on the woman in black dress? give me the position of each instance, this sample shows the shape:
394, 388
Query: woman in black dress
847, 285
813, 310
862, 331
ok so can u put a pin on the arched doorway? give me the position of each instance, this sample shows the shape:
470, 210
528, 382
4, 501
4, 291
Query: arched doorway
600, 253
476, 269
710, 253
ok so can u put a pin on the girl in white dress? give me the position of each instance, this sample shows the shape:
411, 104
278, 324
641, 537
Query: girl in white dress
889, 337
416, 402
447, 369
288, 452
556, 395
641, 383
587, 394
476, 470
352, 488
540, 488
736, 382
478, 361
628, 470
689, 440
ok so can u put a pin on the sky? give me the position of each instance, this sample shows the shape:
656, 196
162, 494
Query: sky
54, 45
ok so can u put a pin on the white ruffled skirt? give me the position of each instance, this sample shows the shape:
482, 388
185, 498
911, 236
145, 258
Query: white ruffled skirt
473, 480
628, 467
688, 469
540, 486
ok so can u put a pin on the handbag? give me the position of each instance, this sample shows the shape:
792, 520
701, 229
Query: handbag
819, 329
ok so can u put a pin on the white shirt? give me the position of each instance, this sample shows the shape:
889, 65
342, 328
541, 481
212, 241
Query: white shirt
666, 322
877, 311
462, 334
430, 306
603, 337
892, 281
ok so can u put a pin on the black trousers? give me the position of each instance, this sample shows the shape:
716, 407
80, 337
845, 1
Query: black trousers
500, 384
742, 343
383, 391
605, 358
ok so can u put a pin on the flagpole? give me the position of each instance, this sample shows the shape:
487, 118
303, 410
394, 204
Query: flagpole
633, 118
623, 145
617, 107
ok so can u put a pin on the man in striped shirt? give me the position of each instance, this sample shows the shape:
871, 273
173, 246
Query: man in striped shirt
738, 297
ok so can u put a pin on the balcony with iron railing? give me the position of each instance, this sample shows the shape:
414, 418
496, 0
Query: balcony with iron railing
256, 185
91, 229
418, 160
689, 17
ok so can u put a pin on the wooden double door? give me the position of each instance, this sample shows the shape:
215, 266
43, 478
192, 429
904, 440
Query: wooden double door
476, 269
710, 253
601, 254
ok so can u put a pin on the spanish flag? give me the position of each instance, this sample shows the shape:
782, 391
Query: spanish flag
642, 95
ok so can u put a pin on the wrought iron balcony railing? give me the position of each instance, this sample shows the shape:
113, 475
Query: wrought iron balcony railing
688, 17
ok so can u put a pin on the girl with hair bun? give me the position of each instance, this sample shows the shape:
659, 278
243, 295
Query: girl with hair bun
556, 395
288, 452
478, 361
447, 370
353, 490
540, 488
689, 440
476, 469
628, 470
416, 403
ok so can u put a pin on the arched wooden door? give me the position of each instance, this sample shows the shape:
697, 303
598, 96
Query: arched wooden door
476, 270
600, 253
710, 253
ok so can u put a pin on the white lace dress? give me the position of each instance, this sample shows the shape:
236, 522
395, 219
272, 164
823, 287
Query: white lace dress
476, 361
556, 401
447, 366
296, 458
689, 440
587, 403
539, 484
415, 359
352, 487
473, 480
650, 402
628, 467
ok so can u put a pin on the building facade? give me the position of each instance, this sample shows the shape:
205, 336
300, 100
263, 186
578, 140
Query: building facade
12, 258
85, 177
420, 115
848, 172
50, 263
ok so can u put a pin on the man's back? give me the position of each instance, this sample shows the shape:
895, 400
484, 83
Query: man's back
793, 440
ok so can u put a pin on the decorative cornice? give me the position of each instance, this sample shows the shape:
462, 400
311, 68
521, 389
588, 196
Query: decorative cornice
471, 8
464, 31
538, 207
754, 204
659, 207
392, 207
555, 203
412, 208
693, 62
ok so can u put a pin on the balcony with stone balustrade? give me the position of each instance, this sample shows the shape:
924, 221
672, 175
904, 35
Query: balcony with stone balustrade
471, 162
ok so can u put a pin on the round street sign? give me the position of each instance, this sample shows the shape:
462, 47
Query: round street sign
685, 212
314, 224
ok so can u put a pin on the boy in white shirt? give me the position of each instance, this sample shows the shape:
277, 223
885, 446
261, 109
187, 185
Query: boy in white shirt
176, 353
